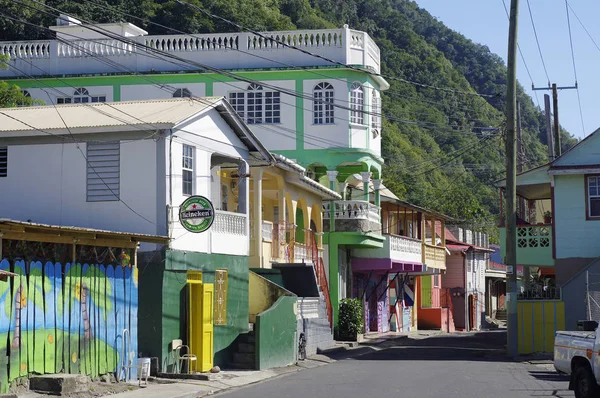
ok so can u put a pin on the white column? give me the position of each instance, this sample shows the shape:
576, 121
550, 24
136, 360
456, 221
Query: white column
377, 185
332, 175
366, 178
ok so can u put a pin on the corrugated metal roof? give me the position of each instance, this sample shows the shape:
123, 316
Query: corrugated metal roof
141, 113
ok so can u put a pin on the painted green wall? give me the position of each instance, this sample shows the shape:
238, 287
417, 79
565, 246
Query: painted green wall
162, 317
426, 285
276, 334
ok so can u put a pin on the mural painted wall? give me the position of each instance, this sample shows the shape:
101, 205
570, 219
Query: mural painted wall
66, 318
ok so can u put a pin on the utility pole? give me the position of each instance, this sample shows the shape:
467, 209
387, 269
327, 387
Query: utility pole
549, 136
554, 88
511, 179
520, 157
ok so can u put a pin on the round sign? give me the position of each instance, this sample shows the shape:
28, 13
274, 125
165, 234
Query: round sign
196, 214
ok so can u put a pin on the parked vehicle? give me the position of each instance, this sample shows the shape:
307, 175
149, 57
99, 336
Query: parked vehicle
577, 353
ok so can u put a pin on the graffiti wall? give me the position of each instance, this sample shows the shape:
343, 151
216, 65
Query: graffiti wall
71, 318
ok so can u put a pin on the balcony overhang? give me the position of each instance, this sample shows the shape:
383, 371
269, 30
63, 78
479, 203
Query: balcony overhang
533, 184
384, 264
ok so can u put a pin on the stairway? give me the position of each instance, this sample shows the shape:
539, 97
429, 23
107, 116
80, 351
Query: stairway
500, 315
245, 355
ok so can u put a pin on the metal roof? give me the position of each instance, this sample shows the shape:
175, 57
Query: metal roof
163, 112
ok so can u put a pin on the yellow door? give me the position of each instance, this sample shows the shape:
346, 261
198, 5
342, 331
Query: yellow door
201, 323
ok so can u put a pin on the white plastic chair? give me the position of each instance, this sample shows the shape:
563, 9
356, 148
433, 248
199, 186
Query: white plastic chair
176, 346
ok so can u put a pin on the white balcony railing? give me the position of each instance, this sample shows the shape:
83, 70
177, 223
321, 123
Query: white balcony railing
235, 50
229, 223
267, 230
405, 249
300, 252
352, 210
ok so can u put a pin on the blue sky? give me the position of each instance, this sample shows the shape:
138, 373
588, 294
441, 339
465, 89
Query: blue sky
485, 22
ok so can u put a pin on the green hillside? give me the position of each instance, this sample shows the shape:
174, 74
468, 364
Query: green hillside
439, 161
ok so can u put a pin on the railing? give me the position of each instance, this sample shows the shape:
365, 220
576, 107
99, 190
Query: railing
300, 252
267, 230
406, 245
283, 233
352, 210
533, 236
229, 223
342, 45
434, 256
26, 49
534, 245
322, 280
539, 292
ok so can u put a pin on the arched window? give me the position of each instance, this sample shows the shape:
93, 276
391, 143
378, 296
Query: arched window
357, 103
375, 112
323, 104
182, 93
81, 95
254, 109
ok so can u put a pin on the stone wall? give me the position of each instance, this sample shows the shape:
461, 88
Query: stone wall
318, 333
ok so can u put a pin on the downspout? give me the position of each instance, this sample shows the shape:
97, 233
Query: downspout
170, 204
465, 259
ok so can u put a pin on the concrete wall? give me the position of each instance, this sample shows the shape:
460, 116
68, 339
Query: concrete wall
262, 295
276, 338
318, 333
163, 298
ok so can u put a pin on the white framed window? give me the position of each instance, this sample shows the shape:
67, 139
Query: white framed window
254, 111
436, 281
236, 99
3, 161
103, 171
81, 95
272, 107
357, 103
593, 197
375, 112
188, 170
182, 93
323, 112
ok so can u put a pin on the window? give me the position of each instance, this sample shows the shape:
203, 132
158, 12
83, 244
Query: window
323, 104
593, 196
103, 171
236, 99
3, 161
436, 281
81, 96
375, 112
357, 102
182, 93
188, 170
221, 282
255, 104
272, 107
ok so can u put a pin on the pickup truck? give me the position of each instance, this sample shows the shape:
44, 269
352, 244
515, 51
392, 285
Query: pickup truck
577, 354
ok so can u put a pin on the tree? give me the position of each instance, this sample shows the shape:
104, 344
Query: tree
11, 95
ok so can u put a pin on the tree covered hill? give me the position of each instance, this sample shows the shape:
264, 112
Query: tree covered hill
434, 156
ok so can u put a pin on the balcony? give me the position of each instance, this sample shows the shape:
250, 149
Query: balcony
352, 216
400, 249
534, 245
229, 233
434, 256
224, 51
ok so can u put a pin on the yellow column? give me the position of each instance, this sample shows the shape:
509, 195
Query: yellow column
257, 214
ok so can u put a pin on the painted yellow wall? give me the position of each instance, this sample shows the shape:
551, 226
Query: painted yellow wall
262, 294
538, 322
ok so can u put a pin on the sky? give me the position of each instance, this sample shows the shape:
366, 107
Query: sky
485, 22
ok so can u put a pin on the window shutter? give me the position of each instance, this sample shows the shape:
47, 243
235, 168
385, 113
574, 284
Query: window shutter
3, 162
103, 171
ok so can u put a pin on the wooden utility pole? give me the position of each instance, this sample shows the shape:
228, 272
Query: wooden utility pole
557, 149
549, 136
520, 158
511, 179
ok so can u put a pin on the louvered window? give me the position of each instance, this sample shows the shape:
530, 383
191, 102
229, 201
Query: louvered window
3, 161
103, 170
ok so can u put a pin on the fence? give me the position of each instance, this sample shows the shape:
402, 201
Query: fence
592, 297
66, 318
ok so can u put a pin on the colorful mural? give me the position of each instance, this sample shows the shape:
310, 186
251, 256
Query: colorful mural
73, 318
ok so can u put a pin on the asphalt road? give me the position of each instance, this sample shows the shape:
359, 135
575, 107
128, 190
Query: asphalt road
459, 365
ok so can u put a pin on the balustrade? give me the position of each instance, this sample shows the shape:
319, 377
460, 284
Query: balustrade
352, 210
229, 223
26, 49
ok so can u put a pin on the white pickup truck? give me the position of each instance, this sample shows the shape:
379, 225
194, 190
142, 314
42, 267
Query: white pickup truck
578, 355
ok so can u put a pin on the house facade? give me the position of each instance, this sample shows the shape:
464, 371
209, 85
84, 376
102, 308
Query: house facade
139, 166
325, 117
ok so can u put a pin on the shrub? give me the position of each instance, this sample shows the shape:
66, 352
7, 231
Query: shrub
351, 318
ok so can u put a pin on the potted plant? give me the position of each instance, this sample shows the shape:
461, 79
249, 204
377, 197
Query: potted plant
548, 217
351, 320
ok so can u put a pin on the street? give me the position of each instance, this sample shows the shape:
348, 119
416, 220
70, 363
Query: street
458, 365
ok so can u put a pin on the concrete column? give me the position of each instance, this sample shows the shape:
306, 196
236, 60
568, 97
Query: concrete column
332, 175
243, 191
366, 177
342, 190
377, 186
257, 175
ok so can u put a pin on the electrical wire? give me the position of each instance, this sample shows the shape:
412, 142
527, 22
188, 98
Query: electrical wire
574, 66
538, 42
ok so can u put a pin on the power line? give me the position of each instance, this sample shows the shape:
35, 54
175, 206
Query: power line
574, 66
537, 41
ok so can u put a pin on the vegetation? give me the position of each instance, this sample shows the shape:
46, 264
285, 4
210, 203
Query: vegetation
444, 161
351, 321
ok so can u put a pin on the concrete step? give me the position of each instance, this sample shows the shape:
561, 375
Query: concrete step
59, 384
246, 348
248, 338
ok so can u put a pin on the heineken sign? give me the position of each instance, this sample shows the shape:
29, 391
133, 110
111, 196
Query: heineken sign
196, 214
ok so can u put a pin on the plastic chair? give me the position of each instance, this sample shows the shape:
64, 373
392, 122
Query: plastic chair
176, 346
